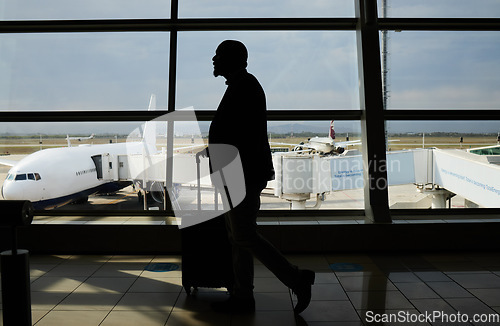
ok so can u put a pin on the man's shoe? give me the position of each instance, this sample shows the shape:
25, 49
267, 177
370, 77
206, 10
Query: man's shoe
235, 305
303, 290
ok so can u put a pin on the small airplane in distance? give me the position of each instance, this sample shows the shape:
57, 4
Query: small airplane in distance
69, 139
54, 177
323, 145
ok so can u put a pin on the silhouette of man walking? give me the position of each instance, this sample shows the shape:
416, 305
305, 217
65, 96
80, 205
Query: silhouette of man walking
241, 121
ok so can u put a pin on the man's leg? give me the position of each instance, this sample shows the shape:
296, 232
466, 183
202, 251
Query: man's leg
242, 229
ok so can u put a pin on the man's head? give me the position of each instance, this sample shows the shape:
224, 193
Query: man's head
230, 56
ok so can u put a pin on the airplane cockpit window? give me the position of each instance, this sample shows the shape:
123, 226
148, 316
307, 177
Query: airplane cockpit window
10, 177
20, 177
31, 176
37, 176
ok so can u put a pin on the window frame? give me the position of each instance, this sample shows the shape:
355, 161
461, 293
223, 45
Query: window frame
372, 115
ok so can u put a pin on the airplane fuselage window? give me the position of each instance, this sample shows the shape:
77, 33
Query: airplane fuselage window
20, 177
24, 176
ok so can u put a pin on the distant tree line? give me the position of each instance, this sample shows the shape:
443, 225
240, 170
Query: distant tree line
37, 136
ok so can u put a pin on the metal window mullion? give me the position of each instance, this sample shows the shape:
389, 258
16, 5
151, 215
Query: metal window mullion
165, 25
458, 115
172, 78
372, 118
439, 24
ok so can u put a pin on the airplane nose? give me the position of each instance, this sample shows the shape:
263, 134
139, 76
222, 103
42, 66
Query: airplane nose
12, 191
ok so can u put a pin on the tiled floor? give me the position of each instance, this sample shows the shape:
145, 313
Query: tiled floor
351, 289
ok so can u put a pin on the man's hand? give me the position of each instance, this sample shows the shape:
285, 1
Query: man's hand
203, 152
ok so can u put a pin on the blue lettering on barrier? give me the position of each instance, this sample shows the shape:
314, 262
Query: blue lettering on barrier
162, 267
346, 267
472, 181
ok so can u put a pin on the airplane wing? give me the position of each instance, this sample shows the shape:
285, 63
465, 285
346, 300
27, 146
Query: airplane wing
188, 147
8, 162
350, 142
275, 143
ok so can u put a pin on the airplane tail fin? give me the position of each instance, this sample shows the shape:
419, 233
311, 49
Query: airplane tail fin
149, 134
332, 131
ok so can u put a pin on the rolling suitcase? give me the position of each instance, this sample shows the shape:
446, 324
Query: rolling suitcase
206, 253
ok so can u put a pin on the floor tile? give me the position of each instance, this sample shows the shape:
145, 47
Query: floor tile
37, 270
469, 306
131, 259
36, 315
87, 259
325, 276
340, 311
199, 302
379, 300
51, 284
44, 301
118, 290
449, 290
73, 318
73, 270
265, 318
366, 283
269, 284
193, 318
89, 301
120, 269
416, 290
489, 296
273, 301
327, 292
477, 281
160, 284
368, 269
134, 318
431, 305
432, 276
105, 285
163, 302
403, 277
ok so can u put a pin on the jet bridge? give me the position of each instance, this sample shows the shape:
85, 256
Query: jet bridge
437, 172
472, 176
441, 173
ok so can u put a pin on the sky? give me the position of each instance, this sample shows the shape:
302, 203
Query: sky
298, 70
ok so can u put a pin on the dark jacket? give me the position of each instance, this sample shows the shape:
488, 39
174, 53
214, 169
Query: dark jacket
241, 121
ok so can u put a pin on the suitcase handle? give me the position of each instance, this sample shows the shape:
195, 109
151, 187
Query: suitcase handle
198, 176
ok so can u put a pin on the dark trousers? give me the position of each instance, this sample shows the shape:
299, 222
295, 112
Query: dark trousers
241, 225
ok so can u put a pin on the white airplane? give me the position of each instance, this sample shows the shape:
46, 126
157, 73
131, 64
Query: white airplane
54, 177
69, 139
324, 145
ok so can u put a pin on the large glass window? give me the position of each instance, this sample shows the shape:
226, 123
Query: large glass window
442, 70
83, 9
298, 70
440, 9
308, 69
105, 166
83, 71
263, 8
443, 164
